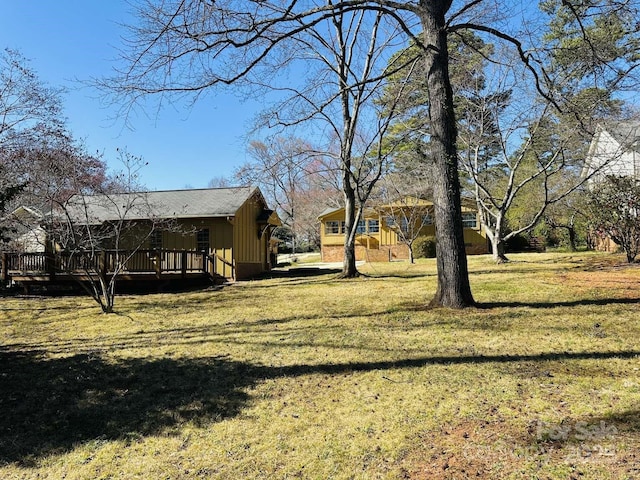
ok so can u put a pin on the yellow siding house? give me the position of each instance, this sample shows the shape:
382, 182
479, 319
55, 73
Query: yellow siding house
226, 231
378, 238
232, 226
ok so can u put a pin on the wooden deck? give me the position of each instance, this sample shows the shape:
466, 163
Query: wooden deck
140, 266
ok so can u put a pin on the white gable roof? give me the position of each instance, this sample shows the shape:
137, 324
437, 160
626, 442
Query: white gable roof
614, 150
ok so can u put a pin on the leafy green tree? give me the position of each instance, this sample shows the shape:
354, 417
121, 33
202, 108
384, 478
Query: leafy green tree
567, 220
518, 146
594, 46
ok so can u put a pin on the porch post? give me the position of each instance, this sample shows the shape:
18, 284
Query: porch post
183, 263
5, 267
50, 265
158, 265
103, 260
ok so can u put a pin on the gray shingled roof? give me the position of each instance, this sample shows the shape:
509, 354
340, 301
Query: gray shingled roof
210, 202
329, 210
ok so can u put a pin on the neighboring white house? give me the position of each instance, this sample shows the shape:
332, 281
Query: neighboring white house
29, 236
614, 150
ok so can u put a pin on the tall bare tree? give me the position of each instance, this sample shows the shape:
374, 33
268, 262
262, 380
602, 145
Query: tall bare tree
26, 103
341, 49
344, 57
186, 47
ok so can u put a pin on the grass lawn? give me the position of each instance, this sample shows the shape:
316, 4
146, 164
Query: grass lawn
319, 378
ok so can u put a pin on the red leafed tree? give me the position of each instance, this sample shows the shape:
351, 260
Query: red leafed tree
27, 105
41, 165
296, 181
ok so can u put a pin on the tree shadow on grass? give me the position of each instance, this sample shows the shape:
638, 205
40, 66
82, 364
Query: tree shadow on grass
298, 273
417, 306
625, 421
51, 405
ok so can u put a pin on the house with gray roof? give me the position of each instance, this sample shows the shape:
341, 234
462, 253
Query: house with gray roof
227, 230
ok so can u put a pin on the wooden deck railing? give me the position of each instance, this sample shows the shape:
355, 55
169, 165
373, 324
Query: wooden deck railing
105, 261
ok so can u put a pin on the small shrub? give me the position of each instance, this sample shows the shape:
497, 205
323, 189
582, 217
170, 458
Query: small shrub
424, 247
517, 244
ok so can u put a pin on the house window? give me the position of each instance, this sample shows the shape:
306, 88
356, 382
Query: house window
427, 219
332, 227
202, 240
155, 240
469, 220
390, 221
362, 226
373, 226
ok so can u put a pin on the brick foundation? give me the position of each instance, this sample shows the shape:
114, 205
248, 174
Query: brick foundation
335, 253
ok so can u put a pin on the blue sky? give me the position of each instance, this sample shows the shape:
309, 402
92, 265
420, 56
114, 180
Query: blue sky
66, 40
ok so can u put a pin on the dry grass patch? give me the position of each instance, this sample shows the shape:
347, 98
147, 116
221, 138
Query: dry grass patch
314, 377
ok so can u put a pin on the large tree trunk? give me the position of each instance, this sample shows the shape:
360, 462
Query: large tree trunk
453, 277
573, 244
496, 237
498, 249
349, 269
